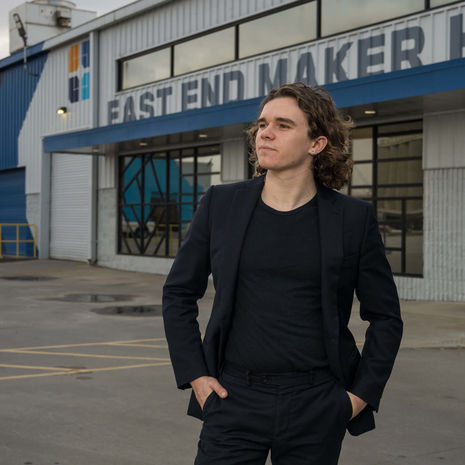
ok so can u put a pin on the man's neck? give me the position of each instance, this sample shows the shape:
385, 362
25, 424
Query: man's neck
284, 191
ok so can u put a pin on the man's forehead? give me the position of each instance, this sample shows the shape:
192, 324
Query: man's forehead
283, 108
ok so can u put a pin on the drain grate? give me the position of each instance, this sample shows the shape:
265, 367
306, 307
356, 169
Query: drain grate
131, 310
94, 298
27, 278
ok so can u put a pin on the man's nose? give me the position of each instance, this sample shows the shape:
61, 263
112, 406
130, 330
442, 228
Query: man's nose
267, 133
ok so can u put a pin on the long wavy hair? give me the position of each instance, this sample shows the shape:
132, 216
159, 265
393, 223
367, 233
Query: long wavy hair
332, 166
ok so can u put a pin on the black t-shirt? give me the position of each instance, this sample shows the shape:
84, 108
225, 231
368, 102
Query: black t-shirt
277, 324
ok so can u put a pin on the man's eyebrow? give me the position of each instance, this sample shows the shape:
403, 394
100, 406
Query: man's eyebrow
279, 119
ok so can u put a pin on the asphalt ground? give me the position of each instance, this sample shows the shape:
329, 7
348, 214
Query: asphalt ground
78, 387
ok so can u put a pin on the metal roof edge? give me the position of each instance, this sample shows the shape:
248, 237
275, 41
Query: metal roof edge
101, 22
19, 55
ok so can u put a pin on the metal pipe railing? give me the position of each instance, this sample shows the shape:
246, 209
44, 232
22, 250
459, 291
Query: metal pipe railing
17, 240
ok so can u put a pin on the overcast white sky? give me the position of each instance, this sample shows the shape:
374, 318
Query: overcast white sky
100, 6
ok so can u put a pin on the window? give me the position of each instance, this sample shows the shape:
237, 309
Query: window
388, 172
85, 88
288, 26
146, 68
342, 15
277, 30
158, 194
202, 52
73, 59
73, 89
85, 54
434, 3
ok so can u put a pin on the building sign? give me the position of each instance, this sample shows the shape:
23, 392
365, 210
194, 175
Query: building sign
402, 44
78, 72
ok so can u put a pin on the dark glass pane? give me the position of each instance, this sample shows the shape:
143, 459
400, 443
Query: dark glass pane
400, 172
209, 164
206, 180
400, 192
278, 30
362, 174
414, 237
410, 145
155, 180
361, 193
187, 166
209, 50
187, 152
395, 260
208, 150
440, 2
390, 222
409, 126
362, 144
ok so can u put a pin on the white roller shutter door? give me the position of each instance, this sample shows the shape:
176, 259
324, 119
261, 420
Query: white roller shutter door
70, 222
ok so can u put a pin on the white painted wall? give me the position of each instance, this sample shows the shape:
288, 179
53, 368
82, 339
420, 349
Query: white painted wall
444, 140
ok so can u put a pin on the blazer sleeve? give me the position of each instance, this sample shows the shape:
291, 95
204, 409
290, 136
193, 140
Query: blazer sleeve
379, 305
184, 285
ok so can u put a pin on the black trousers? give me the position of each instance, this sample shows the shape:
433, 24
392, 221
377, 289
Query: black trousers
301, 418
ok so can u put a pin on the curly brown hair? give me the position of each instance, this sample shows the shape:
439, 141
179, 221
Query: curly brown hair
332, 166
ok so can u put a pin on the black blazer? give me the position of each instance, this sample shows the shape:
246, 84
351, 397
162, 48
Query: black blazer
352, 259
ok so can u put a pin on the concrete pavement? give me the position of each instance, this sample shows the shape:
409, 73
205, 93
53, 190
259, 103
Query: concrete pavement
82, 384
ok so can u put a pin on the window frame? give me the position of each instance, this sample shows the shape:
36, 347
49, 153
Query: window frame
375, 186
163, 242
235, 24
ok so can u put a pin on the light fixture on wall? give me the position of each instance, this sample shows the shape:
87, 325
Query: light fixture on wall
143, 143
203, 136
62, 111
370, 112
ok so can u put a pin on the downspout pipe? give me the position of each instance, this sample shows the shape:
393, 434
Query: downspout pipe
94, 88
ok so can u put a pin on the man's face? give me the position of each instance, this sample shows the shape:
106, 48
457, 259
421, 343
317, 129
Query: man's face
282, 141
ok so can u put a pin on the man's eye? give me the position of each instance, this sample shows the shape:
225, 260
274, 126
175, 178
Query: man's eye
284, 126
261, 125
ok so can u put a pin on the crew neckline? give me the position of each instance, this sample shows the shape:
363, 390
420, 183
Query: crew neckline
310, 203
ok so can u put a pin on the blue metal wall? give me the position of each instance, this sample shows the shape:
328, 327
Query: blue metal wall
13, 210
16, 90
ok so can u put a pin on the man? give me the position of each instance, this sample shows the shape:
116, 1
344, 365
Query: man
278, 368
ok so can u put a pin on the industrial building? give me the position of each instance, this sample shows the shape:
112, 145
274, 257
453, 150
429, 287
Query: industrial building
113, 127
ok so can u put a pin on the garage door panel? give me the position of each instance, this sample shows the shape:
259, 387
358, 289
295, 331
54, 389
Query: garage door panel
70, 207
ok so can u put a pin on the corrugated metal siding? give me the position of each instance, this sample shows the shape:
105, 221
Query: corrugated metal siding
445, 234
16, 91
124, 39
13, 210
42, 119
70, 207
444, 140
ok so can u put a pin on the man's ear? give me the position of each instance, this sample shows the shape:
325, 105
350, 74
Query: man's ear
318, 145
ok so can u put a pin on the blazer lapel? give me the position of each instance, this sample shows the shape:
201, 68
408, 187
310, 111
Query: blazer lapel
241, 210
331, 240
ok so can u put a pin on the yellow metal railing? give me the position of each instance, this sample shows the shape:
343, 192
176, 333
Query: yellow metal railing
18, 241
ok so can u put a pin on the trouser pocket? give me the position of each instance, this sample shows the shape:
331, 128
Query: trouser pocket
207, 403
